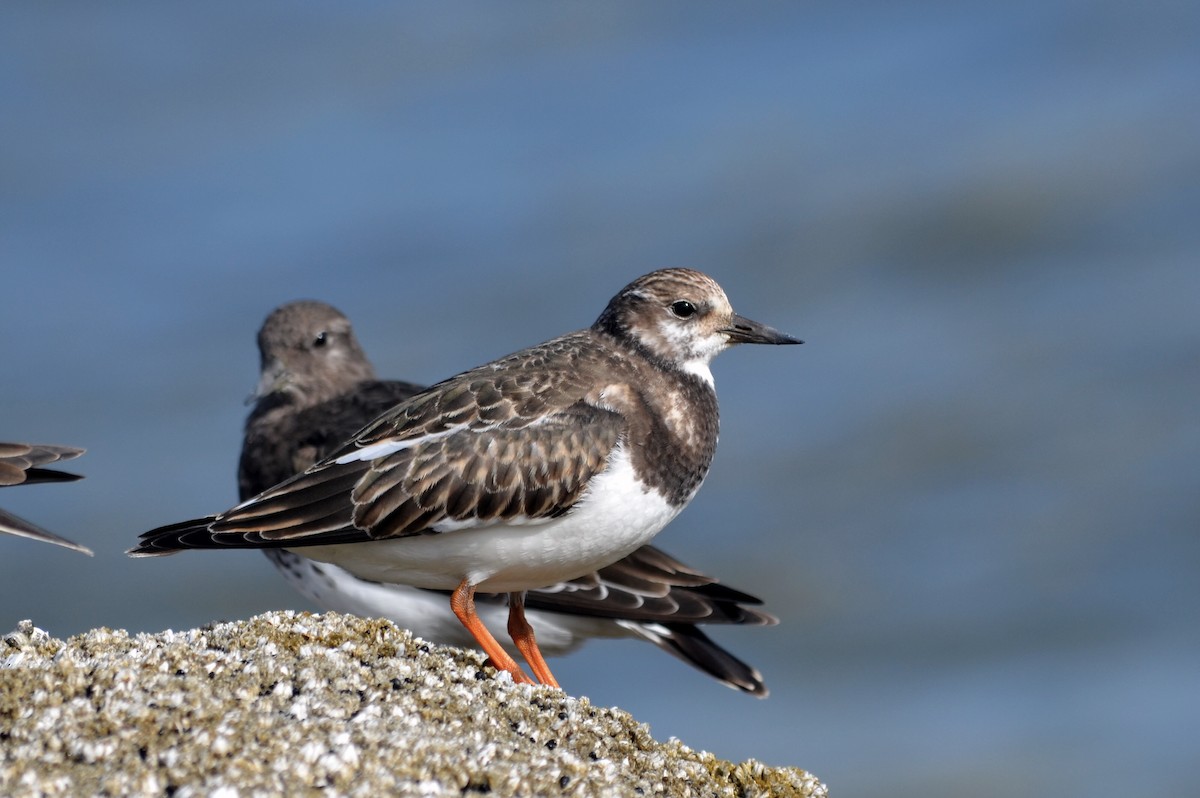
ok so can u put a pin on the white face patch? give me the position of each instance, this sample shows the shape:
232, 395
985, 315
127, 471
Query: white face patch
693, 352
686, 345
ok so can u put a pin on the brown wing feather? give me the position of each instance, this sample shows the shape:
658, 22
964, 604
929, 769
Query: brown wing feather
535, 472
649, 585
311, 503
470, 475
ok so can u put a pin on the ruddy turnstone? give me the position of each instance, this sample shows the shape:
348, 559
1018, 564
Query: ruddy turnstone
21, 464
317, 388
534, 469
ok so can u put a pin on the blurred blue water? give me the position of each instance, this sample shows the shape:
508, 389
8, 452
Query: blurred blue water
971, 496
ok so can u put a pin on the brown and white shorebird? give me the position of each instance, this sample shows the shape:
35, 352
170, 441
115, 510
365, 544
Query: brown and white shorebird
317, 388
534, 469
22, 464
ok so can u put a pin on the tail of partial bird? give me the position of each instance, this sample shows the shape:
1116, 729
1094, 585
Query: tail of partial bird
688, 643
14, 525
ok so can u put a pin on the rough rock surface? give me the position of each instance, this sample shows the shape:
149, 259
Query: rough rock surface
291, 704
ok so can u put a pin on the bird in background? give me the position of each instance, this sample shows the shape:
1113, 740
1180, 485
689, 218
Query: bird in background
317, 388
534, 469
22, 464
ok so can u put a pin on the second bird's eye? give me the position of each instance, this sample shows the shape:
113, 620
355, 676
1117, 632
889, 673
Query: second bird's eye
683, 309
321, 339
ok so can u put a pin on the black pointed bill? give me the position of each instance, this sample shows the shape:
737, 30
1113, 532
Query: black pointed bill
742, 330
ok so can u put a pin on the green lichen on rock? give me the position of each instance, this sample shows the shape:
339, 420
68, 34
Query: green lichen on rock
294, 703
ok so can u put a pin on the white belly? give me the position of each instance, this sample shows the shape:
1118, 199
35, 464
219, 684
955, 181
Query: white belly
427, 614
617, 516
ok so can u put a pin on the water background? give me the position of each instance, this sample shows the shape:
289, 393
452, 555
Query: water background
972, 496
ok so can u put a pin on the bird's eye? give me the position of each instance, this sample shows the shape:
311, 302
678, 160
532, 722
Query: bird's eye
321, 340
683, 309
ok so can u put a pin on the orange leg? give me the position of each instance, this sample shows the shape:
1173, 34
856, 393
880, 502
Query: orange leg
522, 634
462, 601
